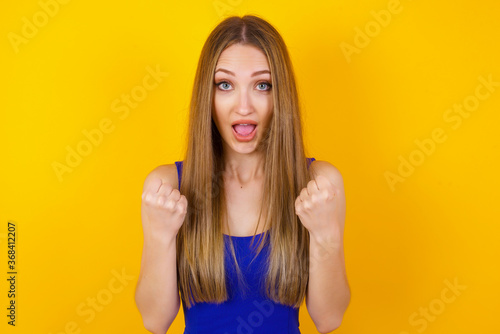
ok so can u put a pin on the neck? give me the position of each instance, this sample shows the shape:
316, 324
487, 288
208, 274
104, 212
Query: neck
244, 167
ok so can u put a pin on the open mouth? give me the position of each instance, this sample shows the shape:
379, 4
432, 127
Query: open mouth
244, 129
244, 132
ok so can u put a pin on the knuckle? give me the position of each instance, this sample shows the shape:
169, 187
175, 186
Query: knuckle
161, 200
181, 208
170, 205
147, 198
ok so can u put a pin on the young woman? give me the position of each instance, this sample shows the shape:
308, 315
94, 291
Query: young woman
244, 175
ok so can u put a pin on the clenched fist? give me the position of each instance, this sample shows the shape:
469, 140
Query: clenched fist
163, 209
318, 206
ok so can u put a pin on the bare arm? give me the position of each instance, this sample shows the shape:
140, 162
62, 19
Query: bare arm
162, 213
328, 293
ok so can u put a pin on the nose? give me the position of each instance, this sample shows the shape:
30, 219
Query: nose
244, 102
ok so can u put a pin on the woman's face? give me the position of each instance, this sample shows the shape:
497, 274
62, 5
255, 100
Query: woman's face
242, 96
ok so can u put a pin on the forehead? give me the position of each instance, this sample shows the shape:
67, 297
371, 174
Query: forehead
239, 56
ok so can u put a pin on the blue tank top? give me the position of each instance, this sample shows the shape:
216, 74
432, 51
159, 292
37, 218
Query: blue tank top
249, 314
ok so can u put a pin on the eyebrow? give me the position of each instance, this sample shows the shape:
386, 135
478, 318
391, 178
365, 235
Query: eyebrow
231, 73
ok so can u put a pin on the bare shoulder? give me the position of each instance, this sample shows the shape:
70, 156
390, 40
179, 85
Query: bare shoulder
325, 168
167, 173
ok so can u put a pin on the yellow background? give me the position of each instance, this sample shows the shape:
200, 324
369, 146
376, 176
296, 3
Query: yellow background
403, 243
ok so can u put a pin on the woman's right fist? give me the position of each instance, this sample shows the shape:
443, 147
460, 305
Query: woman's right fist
163, 208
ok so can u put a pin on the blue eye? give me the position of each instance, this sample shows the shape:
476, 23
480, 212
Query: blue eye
220, 83
267, 84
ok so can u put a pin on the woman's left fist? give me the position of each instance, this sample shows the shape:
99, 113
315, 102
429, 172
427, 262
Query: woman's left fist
317, 206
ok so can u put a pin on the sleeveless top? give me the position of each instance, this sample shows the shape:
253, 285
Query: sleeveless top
252, 313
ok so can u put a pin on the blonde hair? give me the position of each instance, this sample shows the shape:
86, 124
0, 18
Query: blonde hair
200, 241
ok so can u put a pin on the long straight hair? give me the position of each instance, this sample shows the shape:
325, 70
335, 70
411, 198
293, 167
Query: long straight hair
200, 240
